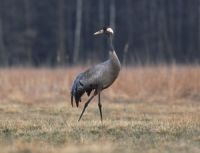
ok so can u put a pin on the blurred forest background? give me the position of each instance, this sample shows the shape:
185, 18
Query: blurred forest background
60, 32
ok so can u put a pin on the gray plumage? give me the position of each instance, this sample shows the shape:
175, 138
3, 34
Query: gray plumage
98, 77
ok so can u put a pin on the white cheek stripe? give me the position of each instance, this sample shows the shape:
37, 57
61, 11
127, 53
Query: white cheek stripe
110, 30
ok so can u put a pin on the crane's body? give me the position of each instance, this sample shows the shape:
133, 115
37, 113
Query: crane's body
96, 78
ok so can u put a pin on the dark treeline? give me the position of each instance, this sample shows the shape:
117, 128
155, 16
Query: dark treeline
60, 32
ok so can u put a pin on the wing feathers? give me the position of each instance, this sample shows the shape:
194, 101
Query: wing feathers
79, 88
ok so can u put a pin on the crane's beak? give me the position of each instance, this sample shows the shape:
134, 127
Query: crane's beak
99, 32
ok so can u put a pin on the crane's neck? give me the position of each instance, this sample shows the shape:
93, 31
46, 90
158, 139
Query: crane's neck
110, 43
112, 54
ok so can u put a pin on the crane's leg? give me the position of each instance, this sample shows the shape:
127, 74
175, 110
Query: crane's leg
85, 106
100, 105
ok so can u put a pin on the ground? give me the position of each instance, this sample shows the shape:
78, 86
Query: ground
148, 109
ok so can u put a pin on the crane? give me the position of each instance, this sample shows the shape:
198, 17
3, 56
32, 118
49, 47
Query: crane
97, 78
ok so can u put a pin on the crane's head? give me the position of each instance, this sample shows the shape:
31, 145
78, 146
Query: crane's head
105, 30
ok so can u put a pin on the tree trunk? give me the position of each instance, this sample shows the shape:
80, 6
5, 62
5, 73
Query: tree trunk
77, 30
165, 47
198, 26
29, 33
100, 45
129, 21
112, 14
3, 55
101, 13
61, 34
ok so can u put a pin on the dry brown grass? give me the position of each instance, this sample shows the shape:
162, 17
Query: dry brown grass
159, 83
148, 109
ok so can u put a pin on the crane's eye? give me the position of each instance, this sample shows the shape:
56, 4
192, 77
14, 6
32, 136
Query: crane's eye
105, 29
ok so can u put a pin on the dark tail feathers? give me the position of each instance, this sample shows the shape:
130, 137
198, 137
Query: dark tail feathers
78, 89
77, 92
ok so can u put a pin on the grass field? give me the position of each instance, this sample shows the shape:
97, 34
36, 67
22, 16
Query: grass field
148, 109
